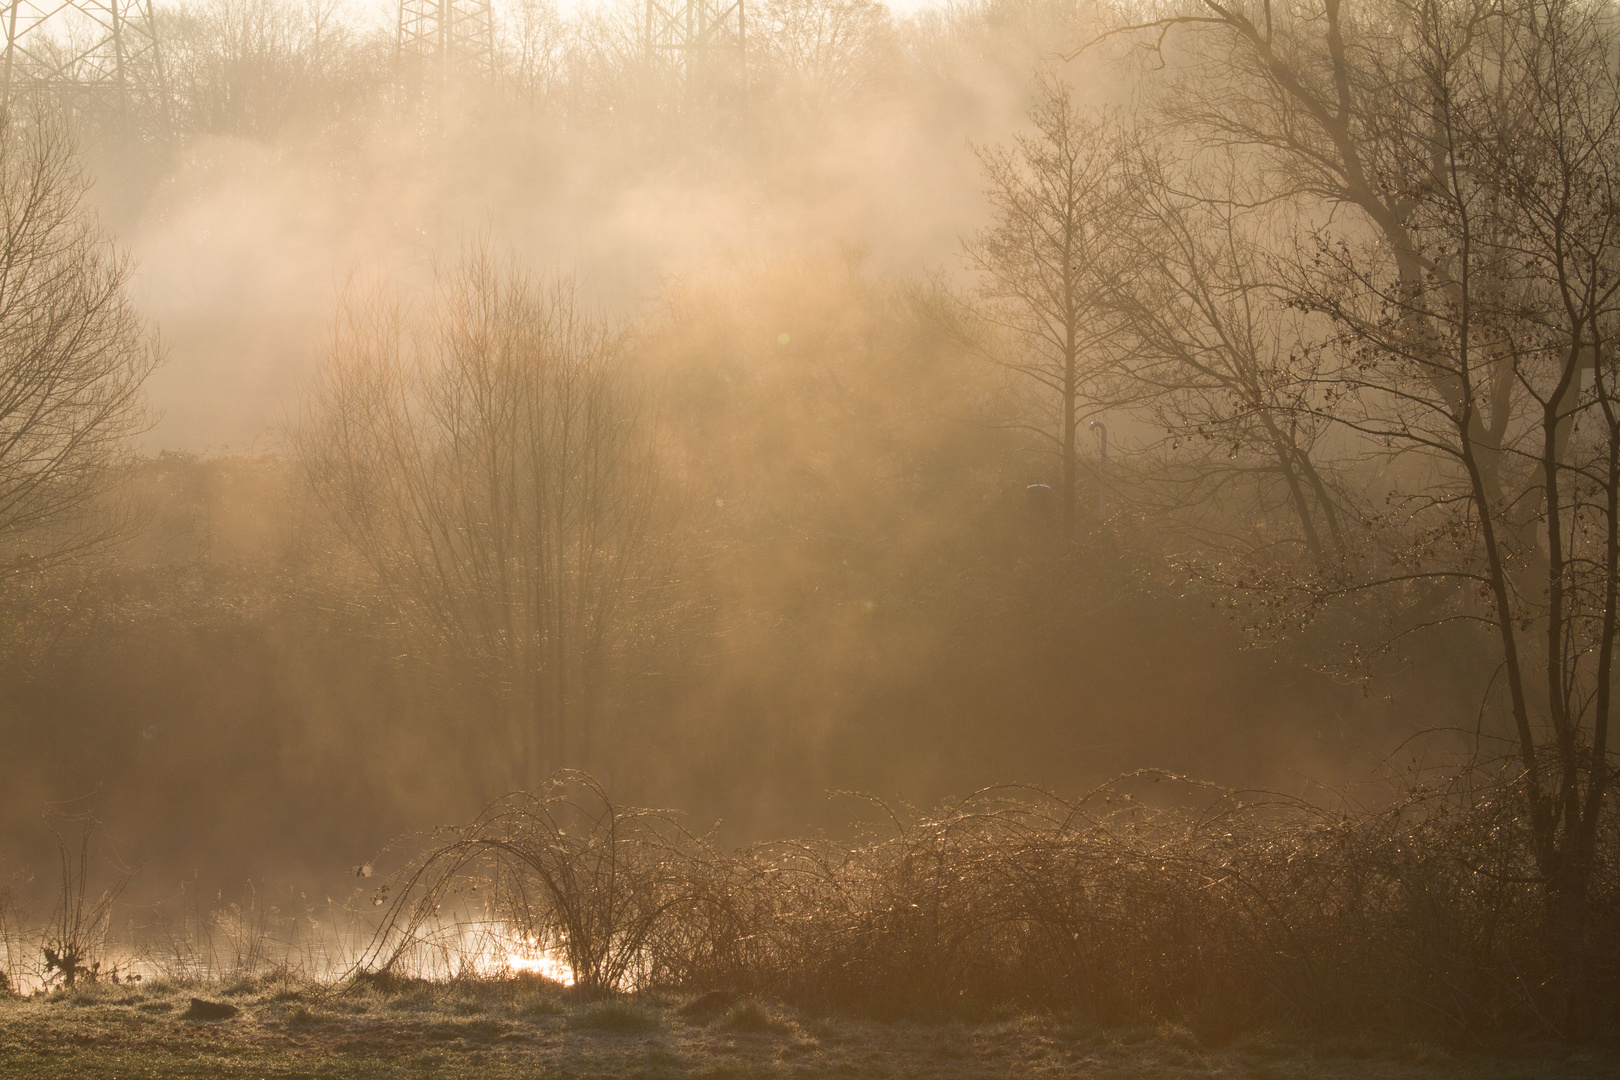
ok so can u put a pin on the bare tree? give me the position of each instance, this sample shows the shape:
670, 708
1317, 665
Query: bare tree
1046, 272
492, 460
1501, 370
821, 54
248, 67
1467, 156
1226, 366
74, 352
533, 55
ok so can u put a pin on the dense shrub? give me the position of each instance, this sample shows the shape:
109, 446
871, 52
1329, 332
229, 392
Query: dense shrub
1248, 911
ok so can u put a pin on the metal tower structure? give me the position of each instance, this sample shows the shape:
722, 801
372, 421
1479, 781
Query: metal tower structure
440, 37
98, 57
702, 44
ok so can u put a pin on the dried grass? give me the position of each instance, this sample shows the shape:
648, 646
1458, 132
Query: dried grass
1247, 912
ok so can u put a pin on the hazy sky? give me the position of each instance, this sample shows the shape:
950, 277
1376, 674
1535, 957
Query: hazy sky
899, 7
386, 11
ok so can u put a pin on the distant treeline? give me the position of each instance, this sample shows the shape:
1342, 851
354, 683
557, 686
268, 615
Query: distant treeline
848, 587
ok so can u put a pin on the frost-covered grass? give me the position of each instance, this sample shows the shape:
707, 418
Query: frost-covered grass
532, 1028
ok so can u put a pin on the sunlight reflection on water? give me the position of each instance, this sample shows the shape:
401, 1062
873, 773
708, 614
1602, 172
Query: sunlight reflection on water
476, 949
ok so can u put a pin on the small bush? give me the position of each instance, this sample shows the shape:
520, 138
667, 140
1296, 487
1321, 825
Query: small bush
303, 1016
538, 1005
710, 1006
202, 1009
752, 1018
614, 1016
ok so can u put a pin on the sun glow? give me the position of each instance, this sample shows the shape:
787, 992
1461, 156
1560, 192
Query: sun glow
531, 957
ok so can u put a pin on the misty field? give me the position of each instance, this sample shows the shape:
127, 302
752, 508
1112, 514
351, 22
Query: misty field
814, 537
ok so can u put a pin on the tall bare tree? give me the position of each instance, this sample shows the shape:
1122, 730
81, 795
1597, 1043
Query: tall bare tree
248, 67
1225, 365
818, 55
1501, 370
1463, 158
1046, 268
74, 352
492, 460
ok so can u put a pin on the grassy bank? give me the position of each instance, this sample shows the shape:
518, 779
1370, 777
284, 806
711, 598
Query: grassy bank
529, 1028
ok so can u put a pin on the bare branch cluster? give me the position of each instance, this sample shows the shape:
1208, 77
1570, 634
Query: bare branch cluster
1249, 908
74, 352
491, 458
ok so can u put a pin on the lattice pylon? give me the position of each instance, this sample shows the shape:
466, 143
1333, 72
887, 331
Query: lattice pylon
442, 37
703, 44
96, 56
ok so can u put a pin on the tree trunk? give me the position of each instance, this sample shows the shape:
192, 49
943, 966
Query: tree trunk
1069, 438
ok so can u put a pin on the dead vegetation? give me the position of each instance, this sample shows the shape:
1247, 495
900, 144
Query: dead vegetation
1150, 901
1247, 912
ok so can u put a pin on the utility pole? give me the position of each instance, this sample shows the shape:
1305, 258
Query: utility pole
437, 39
702, 46
99, 58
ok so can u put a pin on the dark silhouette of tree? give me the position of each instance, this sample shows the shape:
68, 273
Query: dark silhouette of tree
1046, 268
1463, 161
74, 352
